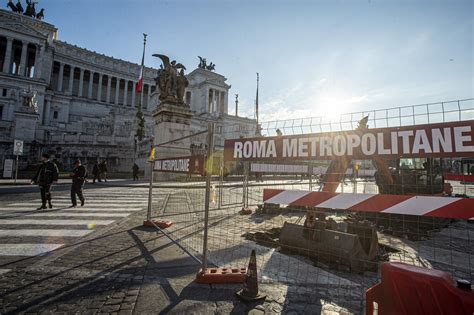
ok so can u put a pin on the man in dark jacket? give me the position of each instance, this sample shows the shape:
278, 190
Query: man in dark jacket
135, 170
79, 175
96, 173
46, 175
103, 170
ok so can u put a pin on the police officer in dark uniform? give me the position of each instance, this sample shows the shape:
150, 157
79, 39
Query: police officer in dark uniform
79, 176
46, 175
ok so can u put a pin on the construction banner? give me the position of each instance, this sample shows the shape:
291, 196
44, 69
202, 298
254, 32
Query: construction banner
185, 164
454, 139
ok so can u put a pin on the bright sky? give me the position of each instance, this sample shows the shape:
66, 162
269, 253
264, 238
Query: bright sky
315, 58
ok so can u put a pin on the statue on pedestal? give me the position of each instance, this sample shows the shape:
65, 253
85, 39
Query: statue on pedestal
203, 64
30, 9
170, 84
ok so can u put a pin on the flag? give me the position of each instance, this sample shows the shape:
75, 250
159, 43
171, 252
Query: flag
140, 78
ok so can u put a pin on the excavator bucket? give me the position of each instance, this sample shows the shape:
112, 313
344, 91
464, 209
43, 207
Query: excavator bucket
356, 248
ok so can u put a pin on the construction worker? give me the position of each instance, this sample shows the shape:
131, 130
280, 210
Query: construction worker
79, 176
46, 175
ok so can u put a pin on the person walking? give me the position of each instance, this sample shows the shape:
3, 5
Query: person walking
79, 175
103, 170
46, 175
135, 170
96, 173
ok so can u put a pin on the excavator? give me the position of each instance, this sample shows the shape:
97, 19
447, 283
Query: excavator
354, 242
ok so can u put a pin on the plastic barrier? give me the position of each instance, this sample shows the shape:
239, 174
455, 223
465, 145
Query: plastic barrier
459, 177
407, 289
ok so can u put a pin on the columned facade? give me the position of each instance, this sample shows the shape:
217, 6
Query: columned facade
86, 102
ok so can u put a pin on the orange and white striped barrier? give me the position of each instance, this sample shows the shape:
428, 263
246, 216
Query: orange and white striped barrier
433, 206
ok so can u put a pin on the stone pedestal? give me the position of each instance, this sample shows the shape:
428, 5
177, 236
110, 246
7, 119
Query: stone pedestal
25, 126
172, 122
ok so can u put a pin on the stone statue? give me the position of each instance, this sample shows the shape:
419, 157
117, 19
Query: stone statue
211, 67
12, 6
19, 7
167, 80
202, 63
30, 100
40, 15
182, 83
30, 8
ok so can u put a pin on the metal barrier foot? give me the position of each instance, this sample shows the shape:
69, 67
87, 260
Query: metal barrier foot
221, 275
159, 223
245, 211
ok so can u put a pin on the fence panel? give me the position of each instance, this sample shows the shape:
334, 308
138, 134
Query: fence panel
327, 254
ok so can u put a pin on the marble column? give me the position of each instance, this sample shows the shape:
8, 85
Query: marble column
7, 65
125, 93
109, 85
47, 112
148, 97
61, 76
99, 88
91, 82
24, 50
81, 83
134, 88
38, 57
71, 79
117, 90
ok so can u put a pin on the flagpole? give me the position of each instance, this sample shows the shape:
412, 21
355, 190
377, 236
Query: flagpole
141, 118
256, 103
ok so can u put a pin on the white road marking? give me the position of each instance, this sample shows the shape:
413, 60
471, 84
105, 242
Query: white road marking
26, 249
85, 208
91, 204
46, 232
2, 271
69, 214
54, 222
100, 198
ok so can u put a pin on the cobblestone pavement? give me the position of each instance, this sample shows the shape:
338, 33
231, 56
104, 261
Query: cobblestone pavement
100, 260
116, 268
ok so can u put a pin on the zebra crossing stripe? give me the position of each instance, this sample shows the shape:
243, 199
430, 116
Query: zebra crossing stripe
54, 222
85, 208
68, 203
26, 249
46, 232
74, 214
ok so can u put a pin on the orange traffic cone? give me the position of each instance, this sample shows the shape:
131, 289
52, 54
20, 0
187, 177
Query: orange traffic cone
250, 291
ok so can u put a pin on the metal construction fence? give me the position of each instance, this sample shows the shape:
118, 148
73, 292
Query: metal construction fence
326, 245
379, 118
333, 255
